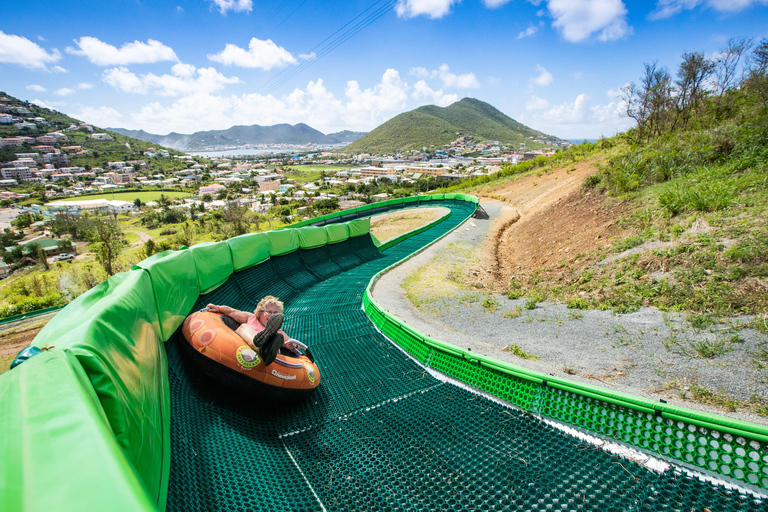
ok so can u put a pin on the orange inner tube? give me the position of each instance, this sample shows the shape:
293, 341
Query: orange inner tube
209, 336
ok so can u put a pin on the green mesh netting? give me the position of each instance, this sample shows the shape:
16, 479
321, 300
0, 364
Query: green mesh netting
380, 433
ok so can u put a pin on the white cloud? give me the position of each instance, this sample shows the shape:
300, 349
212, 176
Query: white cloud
260, 54
104, 54
544, 78
464, 81
579, 119
493, 4
432, 8
59, 69
99, 116
420, 72
23, 52
366, 107
233, 5
184, 80
359, 108
36, 88
84, 86
579, 19
536, 103
533, 29
667, 8
422, 91
64, 91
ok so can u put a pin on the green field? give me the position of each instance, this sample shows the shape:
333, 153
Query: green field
153, 195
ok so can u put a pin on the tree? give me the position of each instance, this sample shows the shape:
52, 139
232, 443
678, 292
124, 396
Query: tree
137, 202
727, 63
207, 198
649, 102
109, 239
237, 217
757, 80
691, 77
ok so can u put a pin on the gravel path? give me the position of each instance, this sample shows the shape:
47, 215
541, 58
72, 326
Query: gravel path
626, 353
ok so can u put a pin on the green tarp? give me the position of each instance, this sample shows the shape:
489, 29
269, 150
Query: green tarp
214, 264
113, 332
312, 236
283, 241
337, 232
359, 227
175, 284
248, 250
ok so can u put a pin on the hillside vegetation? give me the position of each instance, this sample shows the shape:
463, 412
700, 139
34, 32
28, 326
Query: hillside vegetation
673, 214
432, 125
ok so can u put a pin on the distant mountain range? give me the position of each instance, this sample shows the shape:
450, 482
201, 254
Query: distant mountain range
433, 125
240, 136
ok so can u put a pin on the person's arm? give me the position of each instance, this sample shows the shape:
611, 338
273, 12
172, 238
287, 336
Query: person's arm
235, 314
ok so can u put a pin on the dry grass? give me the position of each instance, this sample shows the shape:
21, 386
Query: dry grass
391, 225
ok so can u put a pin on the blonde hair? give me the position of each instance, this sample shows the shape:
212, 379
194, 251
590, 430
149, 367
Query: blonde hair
266, 301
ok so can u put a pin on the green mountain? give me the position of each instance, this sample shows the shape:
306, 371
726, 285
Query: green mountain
433, 125
244, 136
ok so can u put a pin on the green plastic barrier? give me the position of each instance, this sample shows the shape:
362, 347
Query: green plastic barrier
248, 250
312, 236
437, 197
113, 331
213, 261
175, 285
282, 242
337, 232
359, 227
411, 199
58, 450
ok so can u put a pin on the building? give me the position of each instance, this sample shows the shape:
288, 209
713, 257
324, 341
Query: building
211, 189
101, 136
269, 186
19, 173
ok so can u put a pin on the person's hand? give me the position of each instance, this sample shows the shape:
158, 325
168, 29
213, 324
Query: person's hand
290, 345
214, 308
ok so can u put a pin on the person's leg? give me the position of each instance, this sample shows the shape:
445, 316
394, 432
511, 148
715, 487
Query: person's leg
270, 348
273, 325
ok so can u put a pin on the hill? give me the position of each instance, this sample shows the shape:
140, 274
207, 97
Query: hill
431, 125
242, 136
74, 133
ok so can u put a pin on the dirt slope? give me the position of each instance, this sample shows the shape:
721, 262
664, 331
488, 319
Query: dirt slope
546, 222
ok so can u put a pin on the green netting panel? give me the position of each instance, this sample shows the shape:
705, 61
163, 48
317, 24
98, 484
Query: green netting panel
58, 451
312, 236
282, 241
337, 232
213, 262
175, 285
290, 269
319, 260
116, 339
712, 449
359, 227
248, 250
260, 280
381, 433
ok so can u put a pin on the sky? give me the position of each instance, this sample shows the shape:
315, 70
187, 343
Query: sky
557, 66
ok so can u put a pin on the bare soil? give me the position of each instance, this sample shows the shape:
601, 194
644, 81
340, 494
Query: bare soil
546, 222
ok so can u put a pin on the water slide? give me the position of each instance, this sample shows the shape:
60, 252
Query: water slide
113, 417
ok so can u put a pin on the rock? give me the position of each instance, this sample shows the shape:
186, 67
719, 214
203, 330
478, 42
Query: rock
505, 349
479, 285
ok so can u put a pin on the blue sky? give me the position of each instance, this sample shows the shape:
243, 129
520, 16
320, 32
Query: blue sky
188, 65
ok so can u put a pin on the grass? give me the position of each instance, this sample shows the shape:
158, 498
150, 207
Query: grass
515, 349
388, 226
145, 196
